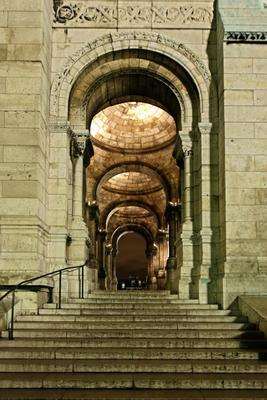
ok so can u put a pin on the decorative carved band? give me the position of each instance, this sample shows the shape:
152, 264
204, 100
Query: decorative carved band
59, 126
89, 13
246, 37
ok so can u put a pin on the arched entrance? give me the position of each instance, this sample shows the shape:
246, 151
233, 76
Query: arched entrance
131, 261
107, 82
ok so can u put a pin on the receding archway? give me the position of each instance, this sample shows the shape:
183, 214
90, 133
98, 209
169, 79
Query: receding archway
131, 260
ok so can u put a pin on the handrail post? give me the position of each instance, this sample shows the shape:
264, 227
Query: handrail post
60, 289
79, 281
11, 326
83, 282
50, 295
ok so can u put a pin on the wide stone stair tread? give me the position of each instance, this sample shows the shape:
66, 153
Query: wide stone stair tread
91, 394
134, 380
141, 345
141, 333
134, 311
129, 365
166, 325
134, 342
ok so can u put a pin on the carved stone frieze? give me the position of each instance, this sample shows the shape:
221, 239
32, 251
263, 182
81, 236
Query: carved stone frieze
89, 13
245, 37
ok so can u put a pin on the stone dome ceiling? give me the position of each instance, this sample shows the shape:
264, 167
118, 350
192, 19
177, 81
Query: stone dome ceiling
132, 182
133, 126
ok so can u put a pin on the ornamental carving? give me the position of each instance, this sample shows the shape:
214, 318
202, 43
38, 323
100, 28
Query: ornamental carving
59, 126
246, 37
120, 37
96, 14
78, 144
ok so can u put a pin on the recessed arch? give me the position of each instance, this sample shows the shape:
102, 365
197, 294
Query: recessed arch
153, 42
138, 228
132, 167
113, 207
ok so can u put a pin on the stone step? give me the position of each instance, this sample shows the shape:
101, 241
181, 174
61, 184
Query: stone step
133, 380
132, 311
133, 305
134, 342
135, 333
131, 353
131, 325
140, 366
133, 293
133, 300
132, 394
128, 318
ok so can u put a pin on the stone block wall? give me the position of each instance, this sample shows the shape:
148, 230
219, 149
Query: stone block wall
243, 116
25, 54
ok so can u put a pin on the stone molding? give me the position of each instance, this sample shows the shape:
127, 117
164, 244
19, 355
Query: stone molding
59, 126
89, 13
245, 37
113, 38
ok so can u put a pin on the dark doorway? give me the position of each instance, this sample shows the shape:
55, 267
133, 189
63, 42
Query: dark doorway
131, 260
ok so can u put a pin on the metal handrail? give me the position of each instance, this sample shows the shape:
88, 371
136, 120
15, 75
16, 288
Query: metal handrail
58, 272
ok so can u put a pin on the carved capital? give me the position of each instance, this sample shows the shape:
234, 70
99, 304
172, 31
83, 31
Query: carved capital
78, 143
187, 149
173, 210
108, 249
93, 211
102, 234
205, 128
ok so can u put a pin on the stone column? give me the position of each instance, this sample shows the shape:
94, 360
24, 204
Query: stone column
172, 218
186, 232
108, 266
114, 272
57, 189
78, 229
206, 229
151, 253
93, 216
101, 237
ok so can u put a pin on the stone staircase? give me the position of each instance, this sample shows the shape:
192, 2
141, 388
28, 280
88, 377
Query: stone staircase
133, 345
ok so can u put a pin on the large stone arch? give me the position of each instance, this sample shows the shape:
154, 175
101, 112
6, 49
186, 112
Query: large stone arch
141, 229
194, 146
133, 167
113, 207
153, 42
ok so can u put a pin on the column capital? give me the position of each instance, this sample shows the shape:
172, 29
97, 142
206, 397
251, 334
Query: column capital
78, 143
108, 249
152, 250
187, 149
172, 210
102, 234
162, 234
205, 128
93, 210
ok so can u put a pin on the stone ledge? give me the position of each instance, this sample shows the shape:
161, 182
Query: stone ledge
255, 308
